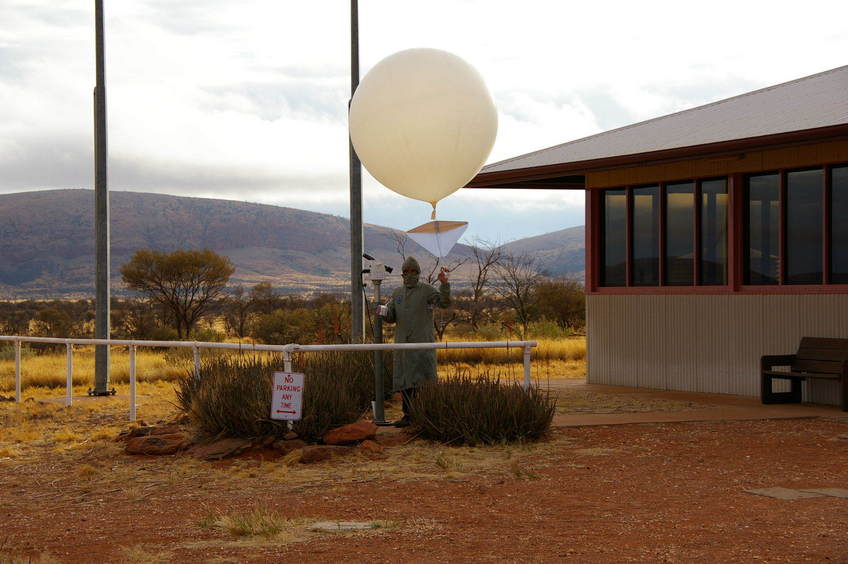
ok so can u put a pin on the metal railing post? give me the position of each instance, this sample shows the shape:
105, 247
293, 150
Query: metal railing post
69, 382
287, 363
132, 383
18, 371
527, 350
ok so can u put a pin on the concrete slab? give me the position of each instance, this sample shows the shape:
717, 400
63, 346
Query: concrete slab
723, 407
784, 493
830, 492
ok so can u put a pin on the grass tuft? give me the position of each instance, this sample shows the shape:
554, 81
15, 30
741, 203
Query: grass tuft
231, 395
462, 409
258, 522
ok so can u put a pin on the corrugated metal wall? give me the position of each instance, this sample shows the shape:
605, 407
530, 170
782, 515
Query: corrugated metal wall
706, 343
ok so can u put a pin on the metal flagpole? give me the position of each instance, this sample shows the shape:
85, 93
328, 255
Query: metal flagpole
357, 318
101, 215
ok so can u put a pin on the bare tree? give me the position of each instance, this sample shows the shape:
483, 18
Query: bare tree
237, 309
486, 257
517, 278
401, 239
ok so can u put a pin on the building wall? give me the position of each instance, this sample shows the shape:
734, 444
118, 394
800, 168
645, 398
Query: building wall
706, 343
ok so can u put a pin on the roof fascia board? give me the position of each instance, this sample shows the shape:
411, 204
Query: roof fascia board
504, 178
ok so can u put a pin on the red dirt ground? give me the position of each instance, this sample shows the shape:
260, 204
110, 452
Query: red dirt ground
625, 493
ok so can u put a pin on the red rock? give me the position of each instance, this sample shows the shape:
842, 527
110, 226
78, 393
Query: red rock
157, 444
371, 447
266, 441
318, 453
222, 448
166, 430
353, 433
287, 446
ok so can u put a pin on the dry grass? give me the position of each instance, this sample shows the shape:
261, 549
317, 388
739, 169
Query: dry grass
258, 522
49, 369
571, 349
11, 558
553, 358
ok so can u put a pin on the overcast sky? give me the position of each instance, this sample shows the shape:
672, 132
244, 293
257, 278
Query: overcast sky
247, 99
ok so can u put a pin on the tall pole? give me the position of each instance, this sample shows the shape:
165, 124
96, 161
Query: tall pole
101, 215
379, 393
357, 319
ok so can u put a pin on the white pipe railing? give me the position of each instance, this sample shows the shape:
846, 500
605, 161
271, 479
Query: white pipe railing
287, 351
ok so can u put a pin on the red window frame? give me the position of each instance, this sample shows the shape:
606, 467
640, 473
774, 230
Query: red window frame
735, 252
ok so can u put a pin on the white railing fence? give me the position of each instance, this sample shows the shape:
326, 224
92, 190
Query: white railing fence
287, 351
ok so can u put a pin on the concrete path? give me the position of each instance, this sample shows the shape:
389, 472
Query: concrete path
723, 407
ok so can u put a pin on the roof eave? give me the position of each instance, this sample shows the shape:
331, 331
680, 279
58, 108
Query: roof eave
525, 177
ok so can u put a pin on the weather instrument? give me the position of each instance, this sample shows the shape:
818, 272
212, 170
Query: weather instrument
423, 123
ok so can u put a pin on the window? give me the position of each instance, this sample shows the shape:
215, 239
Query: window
646, 236
763, 228
839, 225
680, 234
794, 231
680, 226
713, 246
804, 241
614, 235
797, 224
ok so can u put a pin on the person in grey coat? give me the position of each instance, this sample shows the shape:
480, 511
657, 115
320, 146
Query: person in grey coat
411, 307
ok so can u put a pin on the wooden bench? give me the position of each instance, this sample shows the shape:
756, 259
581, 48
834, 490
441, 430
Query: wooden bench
817, 358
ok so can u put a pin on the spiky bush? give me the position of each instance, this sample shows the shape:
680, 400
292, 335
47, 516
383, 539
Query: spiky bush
462, 409
231, 395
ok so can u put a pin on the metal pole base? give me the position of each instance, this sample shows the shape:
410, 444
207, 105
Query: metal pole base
95, 393
384, 423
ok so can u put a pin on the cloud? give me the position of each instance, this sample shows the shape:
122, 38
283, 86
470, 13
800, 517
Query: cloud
247, 100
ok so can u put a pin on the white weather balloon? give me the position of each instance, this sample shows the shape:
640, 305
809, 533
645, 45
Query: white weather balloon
423, 123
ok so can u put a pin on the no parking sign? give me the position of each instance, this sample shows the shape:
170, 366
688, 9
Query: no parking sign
287, 396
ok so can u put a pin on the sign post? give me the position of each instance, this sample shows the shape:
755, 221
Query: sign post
287, 396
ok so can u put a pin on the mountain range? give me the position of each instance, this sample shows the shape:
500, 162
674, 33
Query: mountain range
47, 242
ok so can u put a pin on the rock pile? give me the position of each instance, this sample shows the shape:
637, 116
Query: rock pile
173, 438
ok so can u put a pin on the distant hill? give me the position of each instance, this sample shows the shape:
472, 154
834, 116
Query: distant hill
47, 241
560, 253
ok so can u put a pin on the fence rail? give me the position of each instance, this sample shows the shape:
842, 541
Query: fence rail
196, 346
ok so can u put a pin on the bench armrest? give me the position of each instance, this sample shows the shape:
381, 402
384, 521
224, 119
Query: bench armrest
770, 361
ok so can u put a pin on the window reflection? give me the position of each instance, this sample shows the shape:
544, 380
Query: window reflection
614, 238
646, 228
714, 232
680, 234
804, 227
762, 250
839, 225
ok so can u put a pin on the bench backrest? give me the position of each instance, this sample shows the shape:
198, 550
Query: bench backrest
822, 355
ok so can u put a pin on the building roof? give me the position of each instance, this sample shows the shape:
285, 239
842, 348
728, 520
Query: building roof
812, 102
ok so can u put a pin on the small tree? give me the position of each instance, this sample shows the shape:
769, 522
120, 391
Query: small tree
185, 283
237, 308
517, 278
486, 258
264, 298
561, 301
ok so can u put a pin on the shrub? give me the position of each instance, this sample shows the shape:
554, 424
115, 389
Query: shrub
465, 410
547, 329
231, 395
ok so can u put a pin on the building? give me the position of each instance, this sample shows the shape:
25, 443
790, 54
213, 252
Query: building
713, 235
